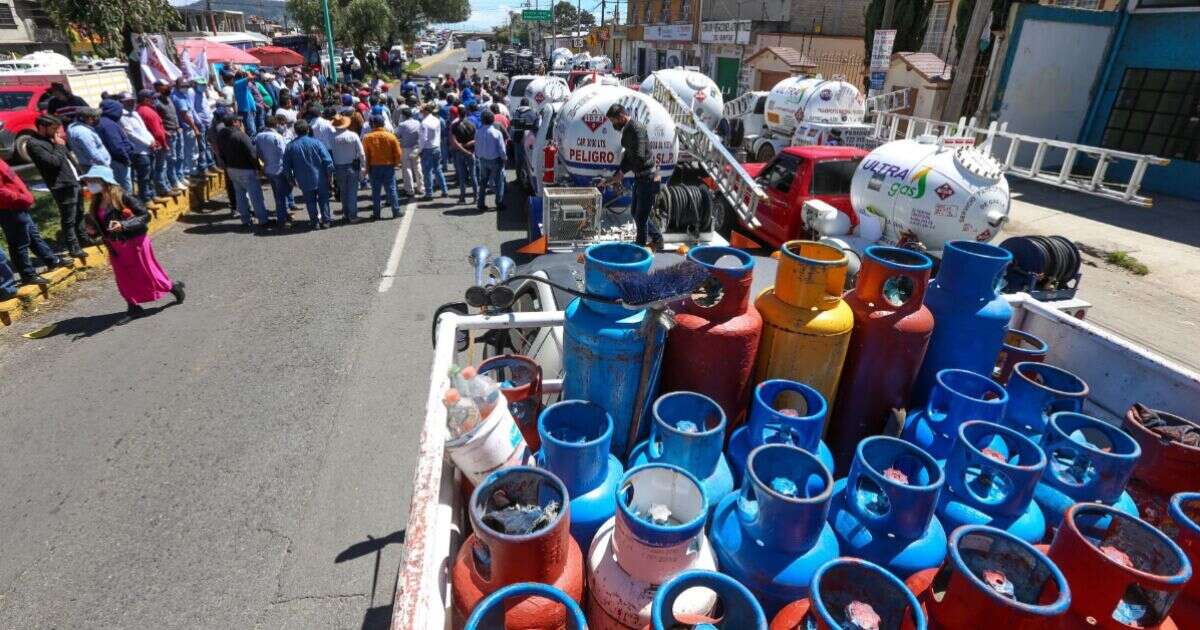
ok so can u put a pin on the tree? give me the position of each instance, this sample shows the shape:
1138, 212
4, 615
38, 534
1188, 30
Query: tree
410, 17
113, 22
364, 22
310, 15
566, 16
516, 28
910, 20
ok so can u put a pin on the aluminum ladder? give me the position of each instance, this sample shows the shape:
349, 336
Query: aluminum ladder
889, 102
1050, 162
742, 104
735, 185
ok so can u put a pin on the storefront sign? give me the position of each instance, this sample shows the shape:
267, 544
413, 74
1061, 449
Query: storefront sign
667, 33
728, 32
881, 50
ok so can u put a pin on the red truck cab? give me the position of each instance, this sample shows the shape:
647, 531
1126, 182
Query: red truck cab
18, 111
796, 175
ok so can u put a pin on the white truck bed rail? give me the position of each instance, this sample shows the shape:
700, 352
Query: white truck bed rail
735, 185
1050, 162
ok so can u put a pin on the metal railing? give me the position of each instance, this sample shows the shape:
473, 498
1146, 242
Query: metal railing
732, 181
1068, 165
888, 102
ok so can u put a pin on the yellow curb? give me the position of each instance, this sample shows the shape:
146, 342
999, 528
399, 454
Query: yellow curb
164, 212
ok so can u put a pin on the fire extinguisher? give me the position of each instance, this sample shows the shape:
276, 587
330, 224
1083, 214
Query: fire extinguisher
549, 156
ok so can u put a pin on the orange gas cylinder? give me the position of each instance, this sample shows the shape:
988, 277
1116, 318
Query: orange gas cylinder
853, 593
521, 517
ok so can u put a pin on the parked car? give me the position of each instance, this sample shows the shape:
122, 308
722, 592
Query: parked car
18, 111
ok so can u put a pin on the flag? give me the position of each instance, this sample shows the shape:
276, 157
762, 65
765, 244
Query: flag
156, 66
200, 65
185, 65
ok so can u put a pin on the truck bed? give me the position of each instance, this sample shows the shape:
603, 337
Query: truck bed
1118, 372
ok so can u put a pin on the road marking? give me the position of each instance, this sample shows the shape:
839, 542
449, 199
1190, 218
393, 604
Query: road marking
393, 261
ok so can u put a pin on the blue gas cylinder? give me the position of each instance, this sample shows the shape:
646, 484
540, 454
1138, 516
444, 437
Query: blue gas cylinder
972, 317
884, 510
781, 412
489, 614
739, 610
991, 476
575, 440
605, 344
688, 430
1037, 390
957, 396
772, 535
1088, 461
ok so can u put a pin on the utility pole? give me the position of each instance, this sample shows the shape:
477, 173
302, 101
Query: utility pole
965, 66
329, 41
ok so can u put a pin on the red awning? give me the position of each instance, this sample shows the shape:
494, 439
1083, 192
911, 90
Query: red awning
217, 52
277, 56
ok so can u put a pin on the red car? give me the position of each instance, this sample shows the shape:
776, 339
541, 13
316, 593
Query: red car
18, 111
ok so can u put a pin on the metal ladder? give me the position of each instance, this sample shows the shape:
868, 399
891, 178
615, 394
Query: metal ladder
742, 104
1051, 162
738, 188
889, 102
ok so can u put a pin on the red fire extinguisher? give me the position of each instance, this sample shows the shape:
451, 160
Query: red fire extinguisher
549, 155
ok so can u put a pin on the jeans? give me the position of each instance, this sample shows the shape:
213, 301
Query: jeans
431, 163
70, 218
7, 283
174, 159
162, 180
203, 154
347, 181
491, 171
410, 170
142, 166
22, 233
464, 169
383, 179
644, 191
188, 164
260, 121
248, 120
121, 174
316, 201
248, 191
281, 188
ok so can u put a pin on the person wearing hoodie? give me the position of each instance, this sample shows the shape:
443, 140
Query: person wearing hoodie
49, 153
158, 151
21, 231
115, 140
140, 138
84, 141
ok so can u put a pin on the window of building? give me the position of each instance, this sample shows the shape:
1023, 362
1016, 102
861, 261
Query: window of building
8, 18
685, 11
935, 33
1156, 112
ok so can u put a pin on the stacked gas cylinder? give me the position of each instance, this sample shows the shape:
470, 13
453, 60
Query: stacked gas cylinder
889, 457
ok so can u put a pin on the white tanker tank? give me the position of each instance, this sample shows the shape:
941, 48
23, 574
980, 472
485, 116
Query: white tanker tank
694, 88
546, 89
596, 78
580, 59
797, 99
560, 58
589, 147
919, 191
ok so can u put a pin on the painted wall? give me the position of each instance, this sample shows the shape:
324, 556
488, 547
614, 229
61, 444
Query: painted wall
1053, 63
1162, 41
929, 97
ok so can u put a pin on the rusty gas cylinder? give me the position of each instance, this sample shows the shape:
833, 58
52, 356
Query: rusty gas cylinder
712, 346
1170, 461
891, 331
853, 593
522, 533
993, 580
1124, 572
1184, 527
520, 379
1019, 347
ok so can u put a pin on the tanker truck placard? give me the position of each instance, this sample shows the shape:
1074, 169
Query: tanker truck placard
927, 194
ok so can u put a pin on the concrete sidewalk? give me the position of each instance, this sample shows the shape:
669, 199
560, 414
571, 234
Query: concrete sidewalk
1161, 309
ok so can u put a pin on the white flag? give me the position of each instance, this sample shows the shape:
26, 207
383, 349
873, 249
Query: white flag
200, 65
185, 64
156, 66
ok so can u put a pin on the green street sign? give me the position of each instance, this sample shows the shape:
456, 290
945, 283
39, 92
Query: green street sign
536, 15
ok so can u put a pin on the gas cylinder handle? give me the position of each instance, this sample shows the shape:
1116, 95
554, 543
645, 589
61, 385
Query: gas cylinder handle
741, 608
654, 444
489, 613
1065, 459
884, 266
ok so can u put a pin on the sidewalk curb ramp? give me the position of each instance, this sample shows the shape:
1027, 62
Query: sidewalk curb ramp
164, 212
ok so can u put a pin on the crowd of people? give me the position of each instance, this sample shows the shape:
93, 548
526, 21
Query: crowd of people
288, 130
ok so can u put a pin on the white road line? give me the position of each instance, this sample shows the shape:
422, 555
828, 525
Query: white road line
393, 261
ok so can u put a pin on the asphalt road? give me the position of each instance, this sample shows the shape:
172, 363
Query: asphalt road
238, 461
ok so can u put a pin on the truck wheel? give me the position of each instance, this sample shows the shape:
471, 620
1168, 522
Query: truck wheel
21, 146
765, 153
724, 219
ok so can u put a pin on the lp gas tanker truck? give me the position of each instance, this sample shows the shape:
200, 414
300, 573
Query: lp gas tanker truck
696, 90
802, 112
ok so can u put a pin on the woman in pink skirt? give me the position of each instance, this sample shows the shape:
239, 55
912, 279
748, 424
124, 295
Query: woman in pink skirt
122, 221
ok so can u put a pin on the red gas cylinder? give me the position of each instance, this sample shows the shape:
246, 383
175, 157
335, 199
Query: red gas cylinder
711, 348
853, 593
521, 517
520, 379
1168, 466
1019, 347
1184, 527
549, 157
891, 331
993, 580
1123, 572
